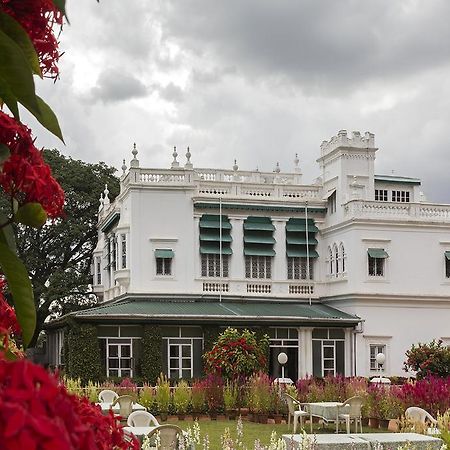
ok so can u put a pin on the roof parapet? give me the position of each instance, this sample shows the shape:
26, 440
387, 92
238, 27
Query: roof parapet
343, 140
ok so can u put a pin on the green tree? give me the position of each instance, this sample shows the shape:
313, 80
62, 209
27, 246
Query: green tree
428, 359
58, 255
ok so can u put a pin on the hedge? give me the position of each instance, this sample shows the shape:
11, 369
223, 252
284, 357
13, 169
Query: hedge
151, 353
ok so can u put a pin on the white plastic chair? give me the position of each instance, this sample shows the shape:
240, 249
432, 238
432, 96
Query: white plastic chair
419, 415
107, 396
168, 437
353, 412
125, 405
142, 419
295, 410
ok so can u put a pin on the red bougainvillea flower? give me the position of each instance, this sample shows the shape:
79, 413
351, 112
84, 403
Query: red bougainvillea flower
37, 413
38, 18
24, 174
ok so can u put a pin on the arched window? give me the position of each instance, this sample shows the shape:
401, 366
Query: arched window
343, 257
336, 259
330, 257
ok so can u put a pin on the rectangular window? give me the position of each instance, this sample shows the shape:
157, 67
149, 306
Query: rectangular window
124, 250
296, 268
119, 358
447, 264
163, 266
381, 195
98, 268
332, 203
210, 265
180, 358
376, 267
400, 196
328, 351
374, 350
258, 267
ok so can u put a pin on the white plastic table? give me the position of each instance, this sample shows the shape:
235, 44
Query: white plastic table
329, 411
106, 406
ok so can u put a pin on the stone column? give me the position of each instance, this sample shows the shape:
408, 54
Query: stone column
237, 268
348, 352
306, 355
279, 269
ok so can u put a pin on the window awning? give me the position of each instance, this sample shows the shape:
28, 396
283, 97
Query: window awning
259, 250
258, 239
260, 226
377, 253
300, 240
301, 226
329, 193
164, 253
300, 252
215, 224
215, 250
447, 255
215, 237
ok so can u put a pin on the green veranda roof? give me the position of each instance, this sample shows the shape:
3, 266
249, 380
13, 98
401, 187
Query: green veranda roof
148, 309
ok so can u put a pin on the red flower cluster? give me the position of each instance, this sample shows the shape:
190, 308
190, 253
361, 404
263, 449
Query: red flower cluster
37, 413
25, 175
38, 18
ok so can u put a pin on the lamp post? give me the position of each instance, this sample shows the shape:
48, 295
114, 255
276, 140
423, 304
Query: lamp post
381, 359
282, 359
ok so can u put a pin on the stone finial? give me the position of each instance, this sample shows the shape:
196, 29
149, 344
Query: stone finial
235, 166
175, 163
296, 163
124, 167
100, 200
277, 168
134, 162
188, 164
106, 200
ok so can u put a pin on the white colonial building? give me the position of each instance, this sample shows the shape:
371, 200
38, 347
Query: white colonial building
189, 249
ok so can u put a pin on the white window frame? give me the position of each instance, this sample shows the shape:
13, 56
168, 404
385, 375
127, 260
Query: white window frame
343, 257
119, 369
255, 266
123, 252
446, 268
378, 341
337, 267
332, 203
400, 196
381, 195
180, 358
98, 270
379, 348
331, 370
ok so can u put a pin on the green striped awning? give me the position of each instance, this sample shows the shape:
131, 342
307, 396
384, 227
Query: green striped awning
259, 226
300, 240
214, 249
215, 224
447, 255
259, 250
164, 253
215, 237
311, 228
300, 252
258, 239
377, 253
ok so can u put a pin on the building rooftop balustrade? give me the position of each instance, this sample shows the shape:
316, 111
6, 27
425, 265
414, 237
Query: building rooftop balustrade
427, 212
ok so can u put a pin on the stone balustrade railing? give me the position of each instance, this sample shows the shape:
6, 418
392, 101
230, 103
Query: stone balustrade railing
404, 211
228, 183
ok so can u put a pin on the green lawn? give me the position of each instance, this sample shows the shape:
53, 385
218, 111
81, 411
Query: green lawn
253, 431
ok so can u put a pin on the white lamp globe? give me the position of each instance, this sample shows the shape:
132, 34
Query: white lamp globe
380, 358
282, 358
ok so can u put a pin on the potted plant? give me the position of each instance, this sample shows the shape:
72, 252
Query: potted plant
147, 397
181, 399
198, 397
214, 395
163, 396
276, 405
230, 398
390, 407
262, 393
373, 411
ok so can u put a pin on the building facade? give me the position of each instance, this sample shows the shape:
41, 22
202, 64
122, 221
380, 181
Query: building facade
335, 272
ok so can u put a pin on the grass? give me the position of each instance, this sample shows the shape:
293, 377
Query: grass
253, 431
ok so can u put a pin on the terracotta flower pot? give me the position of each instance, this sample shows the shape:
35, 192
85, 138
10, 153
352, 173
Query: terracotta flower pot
374, 422
262, 418
278, 418
384, 423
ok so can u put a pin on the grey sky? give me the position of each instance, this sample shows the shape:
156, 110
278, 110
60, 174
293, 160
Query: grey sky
256, 80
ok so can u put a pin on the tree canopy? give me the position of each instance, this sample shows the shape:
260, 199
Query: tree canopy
58, 255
